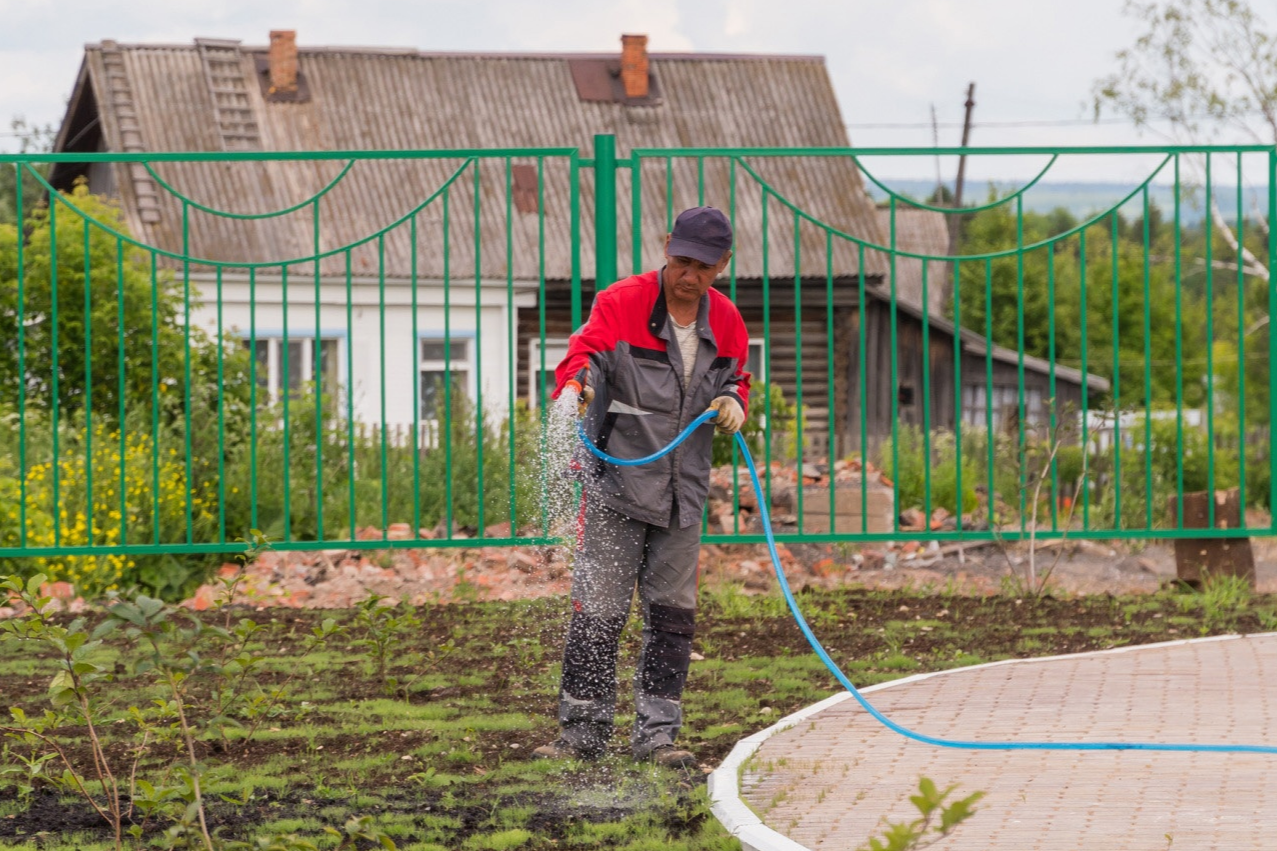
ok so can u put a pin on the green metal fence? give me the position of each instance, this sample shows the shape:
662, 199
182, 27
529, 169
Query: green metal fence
350, 350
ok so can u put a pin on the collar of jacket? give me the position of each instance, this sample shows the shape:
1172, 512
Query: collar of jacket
660, 311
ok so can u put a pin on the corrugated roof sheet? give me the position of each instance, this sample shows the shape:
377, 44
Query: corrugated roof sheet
918, 231
377, 99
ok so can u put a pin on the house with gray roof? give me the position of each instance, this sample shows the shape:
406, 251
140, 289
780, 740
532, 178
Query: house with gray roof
457, 247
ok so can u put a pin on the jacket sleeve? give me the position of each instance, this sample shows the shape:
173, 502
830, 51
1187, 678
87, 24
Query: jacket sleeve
737, 348
598, 336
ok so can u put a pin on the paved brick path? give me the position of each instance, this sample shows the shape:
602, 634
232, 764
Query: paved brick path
827, 782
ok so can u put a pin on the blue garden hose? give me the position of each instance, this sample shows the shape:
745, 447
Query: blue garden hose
842, 678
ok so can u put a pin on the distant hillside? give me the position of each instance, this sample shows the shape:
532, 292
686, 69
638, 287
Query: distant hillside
1086, 199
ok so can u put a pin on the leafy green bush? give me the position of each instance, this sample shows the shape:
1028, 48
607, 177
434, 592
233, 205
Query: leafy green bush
910, 451
106, 495
782, 436
392, 480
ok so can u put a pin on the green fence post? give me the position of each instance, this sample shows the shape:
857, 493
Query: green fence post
604, 211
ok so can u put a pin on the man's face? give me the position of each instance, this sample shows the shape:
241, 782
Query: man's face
687, 279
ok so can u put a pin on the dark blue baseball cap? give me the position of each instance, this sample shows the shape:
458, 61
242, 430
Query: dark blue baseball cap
702, 233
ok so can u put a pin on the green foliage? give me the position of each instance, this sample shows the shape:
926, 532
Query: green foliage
120, 324
32, 138
1005, 287
385, 625
910, 450
923, 831
107, 495
176, 652
783, 434
311, 449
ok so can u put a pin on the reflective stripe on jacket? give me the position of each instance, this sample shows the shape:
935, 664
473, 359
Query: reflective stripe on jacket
640, 404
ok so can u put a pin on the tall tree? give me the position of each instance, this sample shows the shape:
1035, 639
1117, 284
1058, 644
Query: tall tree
1198, 72
32, 139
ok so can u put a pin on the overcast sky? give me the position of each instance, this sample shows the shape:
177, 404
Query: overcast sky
1033, 63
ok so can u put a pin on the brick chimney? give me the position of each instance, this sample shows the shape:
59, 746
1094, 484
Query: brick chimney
634, 65
283, 61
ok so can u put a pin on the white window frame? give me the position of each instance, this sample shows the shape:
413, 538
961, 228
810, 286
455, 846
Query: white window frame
556, 349
274, 340
439, 365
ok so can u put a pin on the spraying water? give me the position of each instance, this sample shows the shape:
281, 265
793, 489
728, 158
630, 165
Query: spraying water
558, 494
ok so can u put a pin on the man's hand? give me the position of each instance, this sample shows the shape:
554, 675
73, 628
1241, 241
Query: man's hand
584, 395
730, 416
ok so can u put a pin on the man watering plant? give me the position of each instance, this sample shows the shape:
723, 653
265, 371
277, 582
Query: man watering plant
659, 350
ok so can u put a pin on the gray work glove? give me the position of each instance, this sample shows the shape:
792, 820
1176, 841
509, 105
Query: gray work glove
730, 415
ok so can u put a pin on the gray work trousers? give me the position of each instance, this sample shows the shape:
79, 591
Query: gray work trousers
616, 555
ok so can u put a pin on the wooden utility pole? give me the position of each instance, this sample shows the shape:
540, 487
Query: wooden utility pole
966, 137
954, 218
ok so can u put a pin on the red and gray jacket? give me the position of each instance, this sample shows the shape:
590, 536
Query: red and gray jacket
640, 405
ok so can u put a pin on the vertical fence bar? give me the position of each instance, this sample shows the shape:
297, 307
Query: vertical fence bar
478, 337
186, 361
767, 351
1179, 363
1021, 450
604, 211
574, 224
445, 425
537, 392
895, 382
286, 381
510, 336
1210, 345
1272, 333
926, 397
88, 390
1052, 424
221, 416
22, 357
381, 345
863, 379
155, 399
1117, 379
829, 377
988, 385
317, 378
1241, 344
669, 194
957, 388
636, 216
700, 187
350, 400
119, 327
1148, 376
416, 387
799, 421
252, 396
1086, 408
55, 402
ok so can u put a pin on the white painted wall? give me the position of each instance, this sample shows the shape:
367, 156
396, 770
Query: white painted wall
489, 328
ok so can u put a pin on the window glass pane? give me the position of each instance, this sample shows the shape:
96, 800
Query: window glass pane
432, 395
435, 349
326, 357
262, 354
294, 377
754, 361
